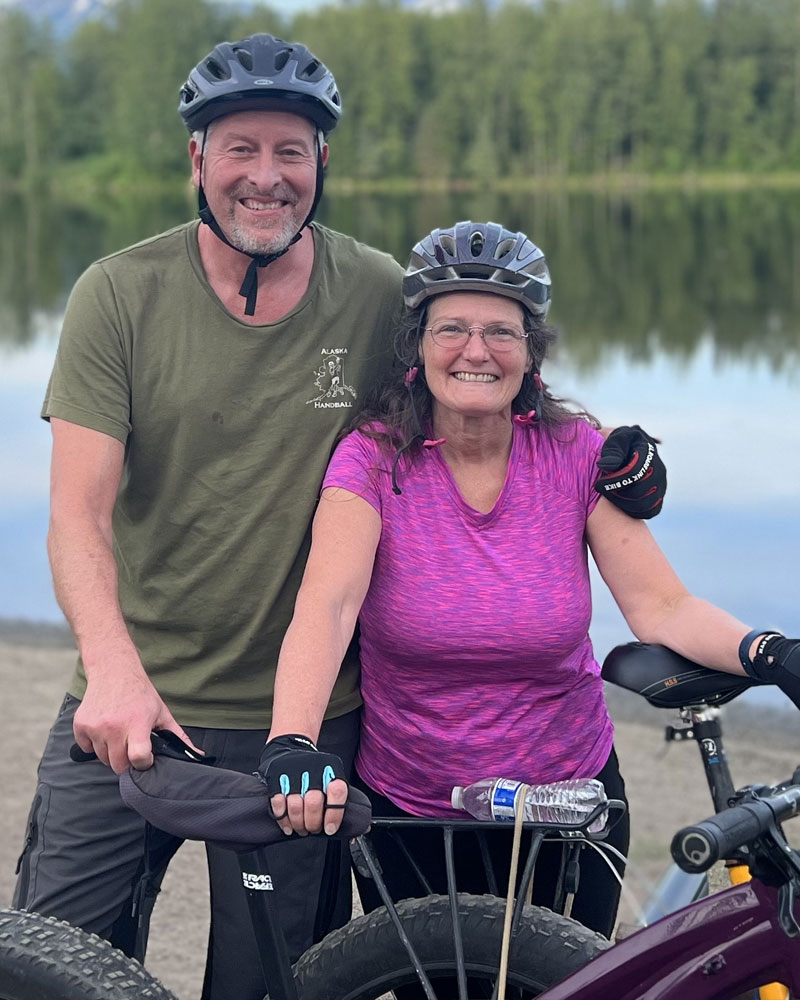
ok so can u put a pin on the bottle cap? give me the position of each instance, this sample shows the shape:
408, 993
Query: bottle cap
457, 797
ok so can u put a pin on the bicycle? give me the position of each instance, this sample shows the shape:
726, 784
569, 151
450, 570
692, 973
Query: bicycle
714, 948
670, 681
42, 958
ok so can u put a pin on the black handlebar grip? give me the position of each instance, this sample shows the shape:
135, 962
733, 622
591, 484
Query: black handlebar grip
696, 848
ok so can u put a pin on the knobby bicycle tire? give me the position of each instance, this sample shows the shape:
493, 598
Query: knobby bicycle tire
42, 958
365, 958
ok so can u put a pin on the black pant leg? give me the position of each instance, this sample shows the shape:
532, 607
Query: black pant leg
311, 876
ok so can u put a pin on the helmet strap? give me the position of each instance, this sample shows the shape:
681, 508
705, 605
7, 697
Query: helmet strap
249, 286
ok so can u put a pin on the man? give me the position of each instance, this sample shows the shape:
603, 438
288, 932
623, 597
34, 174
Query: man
186, 464
201, 380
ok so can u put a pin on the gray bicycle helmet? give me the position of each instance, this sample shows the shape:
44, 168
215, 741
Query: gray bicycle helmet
260, 73
478, 257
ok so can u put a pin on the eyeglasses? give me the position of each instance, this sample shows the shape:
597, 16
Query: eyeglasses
497, 336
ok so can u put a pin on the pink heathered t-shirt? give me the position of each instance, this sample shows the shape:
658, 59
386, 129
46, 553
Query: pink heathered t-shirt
475, 654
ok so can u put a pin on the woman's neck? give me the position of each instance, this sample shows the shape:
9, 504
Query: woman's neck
471, 440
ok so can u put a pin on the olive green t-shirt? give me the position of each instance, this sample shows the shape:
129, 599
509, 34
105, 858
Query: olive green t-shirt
228, 429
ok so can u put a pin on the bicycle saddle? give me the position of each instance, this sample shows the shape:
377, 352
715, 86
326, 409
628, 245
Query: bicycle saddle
668, 680
196, 801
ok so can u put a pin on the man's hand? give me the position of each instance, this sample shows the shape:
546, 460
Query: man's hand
117, 714
773, 654
632, 476
776, 660
306, 785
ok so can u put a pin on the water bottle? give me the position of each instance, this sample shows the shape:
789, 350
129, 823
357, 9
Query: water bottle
560, 802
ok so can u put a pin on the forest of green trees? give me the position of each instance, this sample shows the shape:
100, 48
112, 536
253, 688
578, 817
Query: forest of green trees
481, 95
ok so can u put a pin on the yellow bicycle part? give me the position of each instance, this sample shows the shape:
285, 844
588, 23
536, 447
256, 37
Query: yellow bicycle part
772, 991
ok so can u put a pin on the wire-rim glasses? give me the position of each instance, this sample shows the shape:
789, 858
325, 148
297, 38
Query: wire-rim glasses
497, 336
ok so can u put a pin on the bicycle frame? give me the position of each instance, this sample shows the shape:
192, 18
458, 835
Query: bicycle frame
712, 950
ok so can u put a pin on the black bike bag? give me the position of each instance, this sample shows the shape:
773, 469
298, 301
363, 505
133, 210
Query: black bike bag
197, 802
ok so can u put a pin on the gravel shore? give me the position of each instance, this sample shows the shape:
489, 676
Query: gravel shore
665, 784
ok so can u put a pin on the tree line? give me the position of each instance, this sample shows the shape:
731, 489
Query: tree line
483, 94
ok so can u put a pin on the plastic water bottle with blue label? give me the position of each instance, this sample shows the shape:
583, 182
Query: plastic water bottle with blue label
560, 802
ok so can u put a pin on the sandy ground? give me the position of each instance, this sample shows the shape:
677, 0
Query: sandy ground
665, 786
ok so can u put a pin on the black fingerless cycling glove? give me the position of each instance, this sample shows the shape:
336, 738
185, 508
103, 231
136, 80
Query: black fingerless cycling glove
292, 764
776, 661
632, 476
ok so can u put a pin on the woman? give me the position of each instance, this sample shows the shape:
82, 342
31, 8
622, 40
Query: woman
455, 524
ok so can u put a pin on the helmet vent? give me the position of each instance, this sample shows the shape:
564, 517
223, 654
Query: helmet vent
476, 244
503, 247
282, 58
245, 59
310, 69
216, 70
446, 243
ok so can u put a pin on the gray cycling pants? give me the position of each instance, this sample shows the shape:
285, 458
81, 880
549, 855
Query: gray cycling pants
83, 859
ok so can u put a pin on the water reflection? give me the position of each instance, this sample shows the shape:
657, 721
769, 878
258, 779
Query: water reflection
45, 246
652, 274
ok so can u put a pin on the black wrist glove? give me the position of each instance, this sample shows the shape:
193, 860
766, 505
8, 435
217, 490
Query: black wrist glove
292, 764
632, 476
776, 661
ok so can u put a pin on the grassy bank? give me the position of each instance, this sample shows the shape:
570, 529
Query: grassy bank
84, 182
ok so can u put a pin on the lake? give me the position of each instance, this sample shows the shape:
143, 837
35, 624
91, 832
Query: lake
679, 311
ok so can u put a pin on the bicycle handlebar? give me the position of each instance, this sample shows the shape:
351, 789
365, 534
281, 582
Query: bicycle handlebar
696, 848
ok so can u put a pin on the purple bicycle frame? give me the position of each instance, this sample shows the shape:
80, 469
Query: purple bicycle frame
711, 950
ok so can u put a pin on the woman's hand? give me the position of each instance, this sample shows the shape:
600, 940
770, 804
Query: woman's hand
307, 786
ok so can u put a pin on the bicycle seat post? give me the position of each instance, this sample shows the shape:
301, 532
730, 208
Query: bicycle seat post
706, 730
272, 952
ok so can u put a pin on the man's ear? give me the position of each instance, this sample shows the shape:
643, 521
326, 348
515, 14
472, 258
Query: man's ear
196, 157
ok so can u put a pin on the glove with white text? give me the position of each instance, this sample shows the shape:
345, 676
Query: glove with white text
776, 661
632, 475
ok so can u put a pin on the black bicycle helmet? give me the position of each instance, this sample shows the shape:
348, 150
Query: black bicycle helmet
478, 257
260, 73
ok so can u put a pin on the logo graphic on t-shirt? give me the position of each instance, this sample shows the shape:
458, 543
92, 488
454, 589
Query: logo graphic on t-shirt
329, 379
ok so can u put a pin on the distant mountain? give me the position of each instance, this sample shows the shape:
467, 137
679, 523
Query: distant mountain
63, 16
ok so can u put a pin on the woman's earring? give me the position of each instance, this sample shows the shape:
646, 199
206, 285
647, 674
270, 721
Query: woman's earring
534, 415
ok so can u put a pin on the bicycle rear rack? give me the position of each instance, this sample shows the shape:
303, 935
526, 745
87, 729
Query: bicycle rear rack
269, 935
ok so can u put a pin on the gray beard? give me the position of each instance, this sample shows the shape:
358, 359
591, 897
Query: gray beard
270, 242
